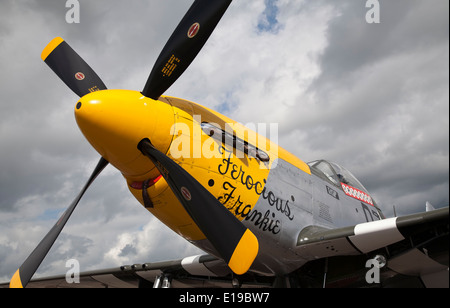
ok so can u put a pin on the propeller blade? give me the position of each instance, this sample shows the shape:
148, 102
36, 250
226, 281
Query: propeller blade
23, 275
71, 68
235, 243
185, 43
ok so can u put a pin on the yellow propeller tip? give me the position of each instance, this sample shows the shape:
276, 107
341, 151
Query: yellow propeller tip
244, 254
50, 47
15, 281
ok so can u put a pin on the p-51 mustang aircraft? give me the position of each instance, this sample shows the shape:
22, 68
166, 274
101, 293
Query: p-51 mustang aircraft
263, 216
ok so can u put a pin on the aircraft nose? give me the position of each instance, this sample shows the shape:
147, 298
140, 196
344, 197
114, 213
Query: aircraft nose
115, 121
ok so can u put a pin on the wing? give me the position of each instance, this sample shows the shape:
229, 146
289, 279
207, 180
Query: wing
415, 245
415, 248
203, 271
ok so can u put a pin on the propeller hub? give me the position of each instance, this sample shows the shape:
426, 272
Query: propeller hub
115, 121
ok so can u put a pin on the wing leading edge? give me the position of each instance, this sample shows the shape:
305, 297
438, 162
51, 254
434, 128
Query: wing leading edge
414, 245
202, 271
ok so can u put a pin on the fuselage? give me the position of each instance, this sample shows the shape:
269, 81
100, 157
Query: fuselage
272, 192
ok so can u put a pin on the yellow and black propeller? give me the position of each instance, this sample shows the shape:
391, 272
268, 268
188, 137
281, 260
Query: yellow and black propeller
236, 244
71, 68
82, 79
23, 275
185, 43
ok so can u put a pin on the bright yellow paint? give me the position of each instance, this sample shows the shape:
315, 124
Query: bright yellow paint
169, 210
210, 115
188, 133
15, 281
244, 254
226, 171
115, 121
50, 47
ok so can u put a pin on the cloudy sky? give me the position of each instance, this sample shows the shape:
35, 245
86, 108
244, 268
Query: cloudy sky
372, 97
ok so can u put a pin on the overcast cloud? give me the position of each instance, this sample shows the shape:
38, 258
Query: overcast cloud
372, 97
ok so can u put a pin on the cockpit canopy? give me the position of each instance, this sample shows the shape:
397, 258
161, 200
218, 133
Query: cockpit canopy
337, 174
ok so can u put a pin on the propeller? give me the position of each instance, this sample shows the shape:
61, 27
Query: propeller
71, 68
235, 243
185, 43
31, 264
79, 77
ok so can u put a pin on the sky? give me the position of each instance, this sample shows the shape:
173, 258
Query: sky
373, 97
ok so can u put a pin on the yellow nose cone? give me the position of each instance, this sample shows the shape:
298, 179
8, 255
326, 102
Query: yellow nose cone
115, 121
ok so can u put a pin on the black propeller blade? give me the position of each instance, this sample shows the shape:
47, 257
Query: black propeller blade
79, 77
185, 43
236, 244
31, 264
71, 68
